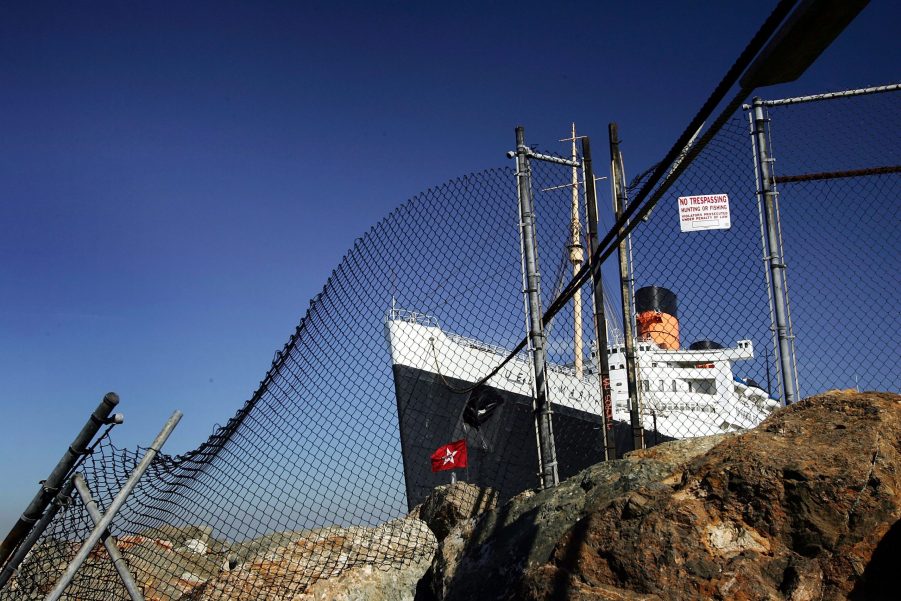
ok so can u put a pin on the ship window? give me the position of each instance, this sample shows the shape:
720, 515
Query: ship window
646, 385
702, 386
675, 386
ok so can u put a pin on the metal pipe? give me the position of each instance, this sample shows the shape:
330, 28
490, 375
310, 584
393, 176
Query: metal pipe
766, 194
549, 158
109, 541
101, 526
618, 177
832, 95
57, 477
22, 550
827, 175
600, 319
548, 454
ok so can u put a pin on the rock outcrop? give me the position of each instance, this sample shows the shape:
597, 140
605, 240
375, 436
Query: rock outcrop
382, 563
450, 504
332, 563
804, 507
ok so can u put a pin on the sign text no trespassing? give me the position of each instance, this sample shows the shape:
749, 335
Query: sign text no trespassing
704, 212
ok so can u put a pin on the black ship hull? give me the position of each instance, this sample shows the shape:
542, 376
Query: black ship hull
502, 451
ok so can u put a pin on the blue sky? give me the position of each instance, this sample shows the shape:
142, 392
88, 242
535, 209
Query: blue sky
177, 180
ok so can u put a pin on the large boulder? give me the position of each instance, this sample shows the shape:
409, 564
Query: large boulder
450, 504
804, 507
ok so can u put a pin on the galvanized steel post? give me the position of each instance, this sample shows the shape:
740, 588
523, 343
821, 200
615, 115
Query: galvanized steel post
60, 501
109, 541
101, 526
51, 486
767, 196
548, 453
600, 318
618, 180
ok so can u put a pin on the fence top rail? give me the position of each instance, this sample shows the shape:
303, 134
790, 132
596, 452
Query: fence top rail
893, 87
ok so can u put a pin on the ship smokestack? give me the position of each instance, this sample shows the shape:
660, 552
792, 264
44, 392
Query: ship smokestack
657, 316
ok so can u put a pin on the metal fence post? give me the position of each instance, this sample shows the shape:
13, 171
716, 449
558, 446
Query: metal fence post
549, 475
600, 318
57, 478
109, 540
60, 501
767, 196
618, 179
101, 526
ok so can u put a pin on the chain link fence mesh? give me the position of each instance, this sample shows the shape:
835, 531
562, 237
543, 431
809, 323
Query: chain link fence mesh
316, 474
717, 291
838, 171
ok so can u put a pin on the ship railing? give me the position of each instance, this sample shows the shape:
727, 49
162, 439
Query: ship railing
478, 344
567, 370
411, 317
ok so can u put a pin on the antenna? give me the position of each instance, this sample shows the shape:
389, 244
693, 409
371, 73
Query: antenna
576, 256
393, 293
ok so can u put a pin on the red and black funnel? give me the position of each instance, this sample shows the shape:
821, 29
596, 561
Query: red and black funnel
657, 316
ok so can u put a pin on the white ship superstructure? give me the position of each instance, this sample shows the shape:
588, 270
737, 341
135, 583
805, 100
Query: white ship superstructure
684, 393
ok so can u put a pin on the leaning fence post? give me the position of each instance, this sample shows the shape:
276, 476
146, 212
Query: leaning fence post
109, 540
49, 488
61, 499
101, 526
767, 196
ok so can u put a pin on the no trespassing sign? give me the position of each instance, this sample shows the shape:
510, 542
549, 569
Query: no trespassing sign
704, 212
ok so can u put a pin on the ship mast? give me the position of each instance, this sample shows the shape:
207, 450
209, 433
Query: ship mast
576, 257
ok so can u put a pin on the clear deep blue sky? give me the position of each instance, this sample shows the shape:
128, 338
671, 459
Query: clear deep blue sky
178, 179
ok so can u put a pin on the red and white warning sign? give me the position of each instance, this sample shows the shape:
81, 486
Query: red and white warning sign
704, 212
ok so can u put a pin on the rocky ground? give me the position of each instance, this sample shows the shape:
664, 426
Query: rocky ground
805, 507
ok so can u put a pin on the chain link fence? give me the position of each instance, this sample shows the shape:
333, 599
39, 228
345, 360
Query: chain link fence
838, 171
835, 160
705, 295
316, 474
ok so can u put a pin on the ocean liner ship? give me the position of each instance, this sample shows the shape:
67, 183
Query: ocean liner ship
681, 392
684, 393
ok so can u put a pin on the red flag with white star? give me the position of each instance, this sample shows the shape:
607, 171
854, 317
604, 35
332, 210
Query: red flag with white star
449, 456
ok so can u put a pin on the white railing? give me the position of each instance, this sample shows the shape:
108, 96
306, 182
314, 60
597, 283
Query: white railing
478, 344
411, 317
